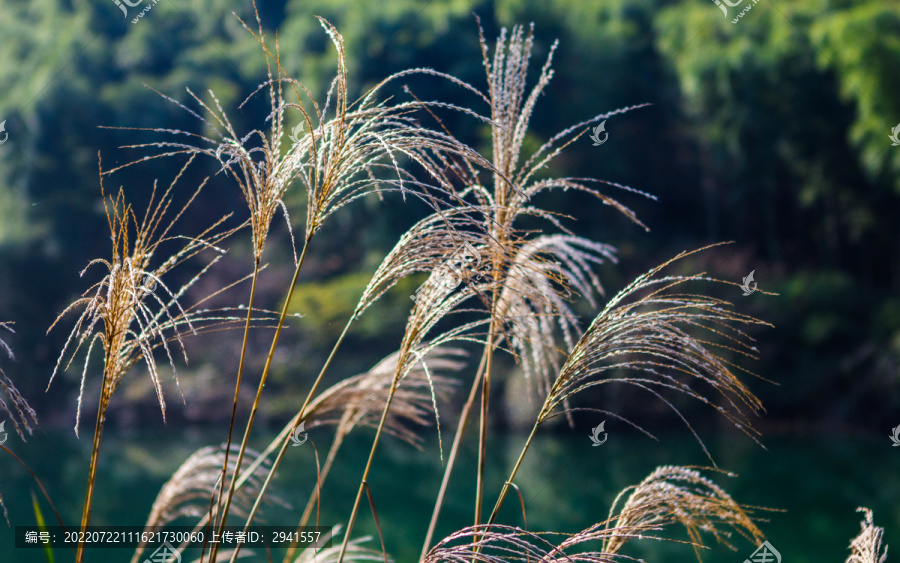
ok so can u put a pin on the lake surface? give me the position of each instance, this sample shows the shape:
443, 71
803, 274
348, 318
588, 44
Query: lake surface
818, 480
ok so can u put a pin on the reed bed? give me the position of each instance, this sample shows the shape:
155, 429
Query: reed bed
492, 287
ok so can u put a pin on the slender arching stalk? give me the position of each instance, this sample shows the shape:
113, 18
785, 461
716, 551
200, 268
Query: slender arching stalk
95, 454
485, 398
364, 481
237, 385
496, 272
262, 383
512, 475
129, 316
307, 512
425, 315
451, 459
296, 421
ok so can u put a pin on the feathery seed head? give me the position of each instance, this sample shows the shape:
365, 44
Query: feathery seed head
23, 417
866, 547
127, 315
650, 337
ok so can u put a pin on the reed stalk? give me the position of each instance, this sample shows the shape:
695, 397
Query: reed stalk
512, 475
454, 450
364, 481
485, 398
237, 385
92, 471
297, 419
262, 384
314, 498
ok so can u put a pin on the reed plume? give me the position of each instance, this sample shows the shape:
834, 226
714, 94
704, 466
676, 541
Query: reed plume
495, 543
866, 547
650, 337
670, 496
534, 303
426, 247
131, 311
349, 150
415, 402
677, 495
23, 417
515, 185
359, 401
355, 552
188, 490
525, 322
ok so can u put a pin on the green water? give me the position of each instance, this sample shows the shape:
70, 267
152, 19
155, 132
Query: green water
566, 484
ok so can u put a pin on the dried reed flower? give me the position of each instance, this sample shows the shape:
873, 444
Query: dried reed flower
132, 311
525, 321
866, 547
677, 495
647, 329
426, 247
668, 496
534, 301
355, 551
359, 400
23, 417
339, 161
192, 483
645, 337
188, 490
511, 111
495, 543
